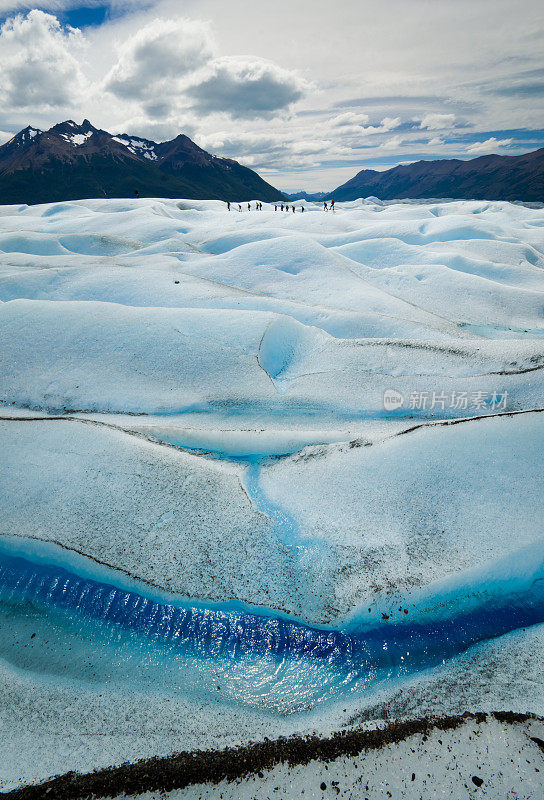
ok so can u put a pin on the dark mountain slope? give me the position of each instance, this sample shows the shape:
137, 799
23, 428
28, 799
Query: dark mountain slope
491, 177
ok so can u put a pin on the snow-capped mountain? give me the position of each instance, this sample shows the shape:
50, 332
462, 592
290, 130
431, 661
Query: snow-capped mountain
71, 161
138, 146
19, 143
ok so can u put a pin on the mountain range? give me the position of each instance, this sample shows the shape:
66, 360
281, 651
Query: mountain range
311, 197
72, 162
490, 177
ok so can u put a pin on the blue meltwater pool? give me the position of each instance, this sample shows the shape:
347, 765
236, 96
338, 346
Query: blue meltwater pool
258, 658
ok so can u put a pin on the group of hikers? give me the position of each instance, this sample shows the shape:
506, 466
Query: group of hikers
281, 206
258, 206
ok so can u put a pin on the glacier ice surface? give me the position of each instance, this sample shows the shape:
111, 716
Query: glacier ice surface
193, 411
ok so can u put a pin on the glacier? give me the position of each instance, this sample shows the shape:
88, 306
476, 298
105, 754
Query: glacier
265, 473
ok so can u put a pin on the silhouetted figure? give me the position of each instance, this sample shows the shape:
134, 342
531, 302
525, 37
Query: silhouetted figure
325, 207
136, 192
239, 207
332, 205
302, 209
249, 206
228, 205
293, 209
275, 208
281, 206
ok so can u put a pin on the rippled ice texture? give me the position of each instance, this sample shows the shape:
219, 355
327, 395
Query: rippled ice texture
213, 526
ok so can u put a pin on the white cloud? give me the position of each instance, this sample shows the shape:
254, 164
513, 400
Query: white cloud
151, 62
392, 144
489, 146
311, 147
436, 141
39, 62
351, 126
159, 130
244, 142
276, 149
390, 123
245, 87
168, 66
437, 122
349, 119
387, 124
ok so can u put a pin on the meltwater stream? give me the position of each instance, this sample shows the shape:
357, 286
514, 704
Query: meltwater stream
228, 653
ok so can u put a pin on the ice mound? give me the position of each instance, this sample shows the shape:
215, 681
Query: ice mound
373, 521
161, 515
87, 356
326, 532
330, 422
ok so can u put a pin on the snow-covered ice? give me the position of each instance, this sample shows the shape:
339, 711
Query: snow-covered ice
327, 425
490, 758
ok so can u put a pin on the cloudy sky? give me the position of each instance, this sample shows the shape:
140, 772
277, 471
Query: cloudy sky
307, 92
